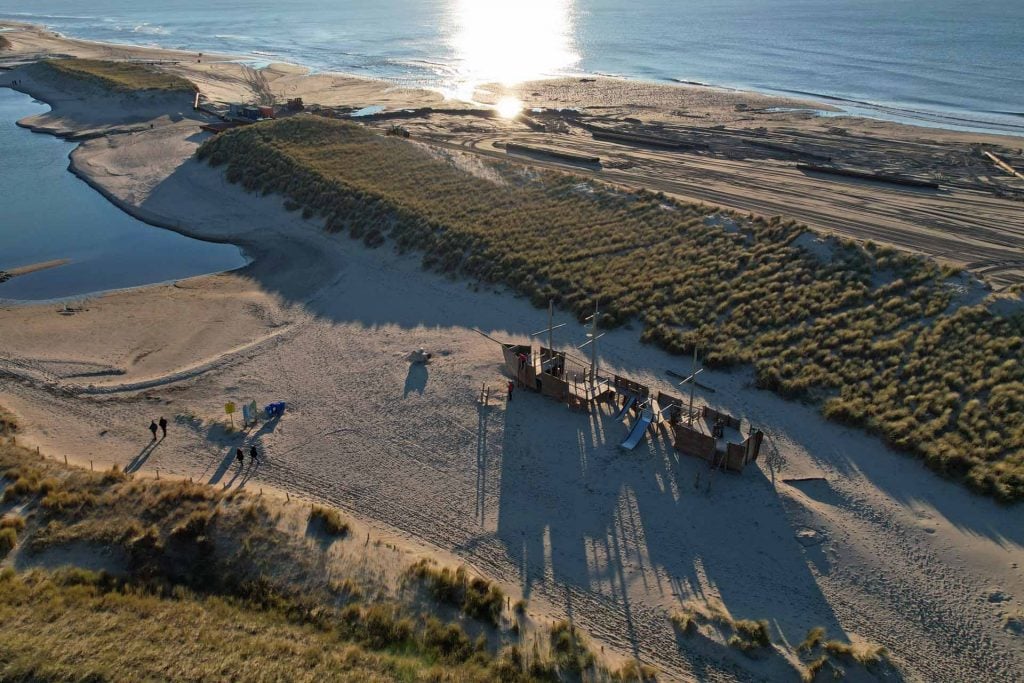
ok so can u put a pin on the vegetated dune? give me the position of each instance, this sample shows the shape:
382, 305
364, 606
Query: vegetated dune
108, 577
118, 76
878, 339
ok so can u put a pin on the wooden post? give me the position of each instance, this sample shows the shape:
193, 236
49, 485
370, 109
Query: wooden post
693, 380
65, 460
593, 349
90, 466
551, 322
158, 474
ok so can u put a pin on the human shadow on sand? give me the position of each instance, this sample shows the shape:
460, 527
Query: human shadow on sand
416, 379
140, 459
226, 463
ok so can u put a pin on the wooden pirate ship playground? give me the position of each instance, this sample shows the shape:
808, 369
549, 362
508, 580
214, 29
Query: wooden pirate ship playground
701, 432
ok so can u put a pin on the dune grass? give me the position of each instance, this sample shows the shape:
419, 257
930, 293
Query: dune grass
205, 584
750, 634
753, 638
868, 334
5, 44
8, 539
474, 596
75, 625
328, 520
122, 77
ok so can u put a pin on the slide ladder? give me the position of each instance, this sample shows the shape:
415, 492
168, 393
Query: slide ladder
638, 430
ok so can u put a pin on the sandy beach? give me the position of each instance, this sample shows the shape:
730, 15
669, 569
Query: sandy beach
830, 529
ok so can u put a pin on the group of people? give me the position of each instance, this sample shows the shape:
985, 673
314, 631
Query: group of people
154, 425
254, 454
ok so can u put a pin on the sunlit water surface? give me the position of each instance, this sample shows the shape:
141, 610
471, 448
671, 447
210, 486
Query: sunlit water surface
941, 62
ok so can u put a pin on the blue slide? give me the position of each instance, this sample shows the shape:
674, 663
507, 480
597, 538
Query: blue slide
638, 431
625, 409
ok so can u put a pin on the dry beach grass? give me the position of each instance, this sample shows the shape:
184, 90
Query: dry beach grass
126, 77
131, 579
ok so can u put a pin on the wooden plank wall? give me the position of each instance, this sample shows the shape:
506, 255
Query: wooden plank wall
691, 442
711, 414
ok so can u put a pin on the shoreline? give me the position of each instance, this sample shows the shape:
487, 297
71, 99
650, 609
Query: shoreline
907, 113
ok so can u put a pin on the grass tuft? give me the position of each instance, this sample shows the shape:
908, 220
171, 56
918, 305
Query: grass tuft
329, 521
814, 637
635, 672
12, 521
568, 648
8, 539
868, 655
476, 597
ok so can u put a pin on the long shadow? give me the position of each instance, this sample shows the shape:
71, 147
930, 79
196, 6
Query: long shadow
483, 413
225, 465
416, 379
577, 510
239, 471
140, 459
267, 427
250, 472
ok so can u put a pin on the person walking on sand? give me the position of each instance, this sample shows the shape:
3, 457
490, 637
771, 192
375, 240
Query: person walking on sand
240, 457
254, 454
163, 426
511, 386
153, 428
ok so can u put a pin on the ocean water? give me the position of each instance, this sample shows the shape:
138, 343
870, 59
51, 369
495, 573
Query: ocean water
46, 213
956, 63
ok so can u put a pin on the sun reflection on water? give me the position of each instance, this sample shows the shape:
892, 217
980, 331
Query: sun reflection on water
509, 42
